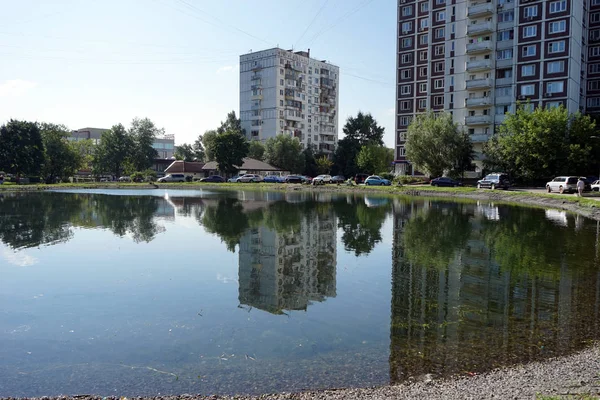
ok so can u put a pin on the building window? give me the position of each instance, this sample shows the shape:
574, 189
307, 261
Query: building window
440, 33
504, 91
593, 85
424, 23
528, 70
594, 34
555, 87
405, 121
595, 2
527, 90
529, 31
407, 58
406, 11
438, 84
506, 16
439, 67
405, 105
406, 74
594, 68
438, 100
281, 92
593, 102
556, 47
422, 103
424, 6
595, 17
406, 27
530, 12
439, 50
555, 67
423, 71
505, 35
594, 51
440, 16
558, 6
439, 2
529, 51
405, 89
406, 42
423, 87
423, 55
554, 104
557, 26
423, 39
281, 82
504, 73
505, 54
281, 103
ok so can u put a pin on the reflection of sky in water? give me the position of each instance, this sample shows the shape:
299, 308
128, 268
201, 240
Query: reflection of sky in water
182, 314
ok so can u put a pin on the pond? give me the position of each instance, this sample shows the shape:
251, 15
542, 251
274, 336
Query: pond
146, 292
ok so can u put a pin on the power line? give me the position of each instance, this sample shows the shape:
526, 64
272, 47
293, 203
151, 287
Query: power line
343, 17
312, 22
368, 79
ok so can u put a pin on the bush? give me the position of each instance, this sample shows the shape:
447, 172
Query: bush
407, 179
387, 175
150, 175
137, 176
188, 178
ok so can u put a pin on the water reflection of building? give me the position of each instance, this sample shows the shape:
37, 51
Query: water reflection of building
287, 271
476, 314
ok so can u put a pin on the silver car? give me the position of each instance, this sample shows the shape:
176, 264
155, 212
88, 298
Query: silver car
250, 178
562, 184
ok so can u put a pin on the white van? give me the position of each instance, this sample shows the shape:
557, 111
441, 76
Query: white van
172, 178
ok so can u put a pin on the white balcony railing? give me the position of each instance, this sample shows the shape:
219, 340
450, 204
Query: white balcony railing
479, 47
480, 65
479, 102
478, 29
479, 83
480, 10
478, 120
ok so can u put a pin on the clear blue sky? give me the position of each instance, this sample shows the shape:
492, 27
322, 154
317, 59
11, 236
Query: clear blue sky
98, 63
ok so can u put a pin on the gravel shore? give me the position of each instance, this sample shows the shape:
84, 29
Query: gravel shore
572, 377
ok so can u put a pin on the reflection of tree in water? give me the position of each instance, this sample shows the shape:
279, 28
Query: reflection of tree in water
227, 220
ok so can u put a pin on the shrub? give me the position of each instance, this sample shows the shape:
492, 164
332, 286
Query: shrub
137, 176
150, 175
188, 178
407, 179
387, 175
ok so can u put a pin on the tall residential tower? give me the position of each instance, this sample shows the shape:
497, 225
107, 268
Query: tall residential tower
284, 92
477, 58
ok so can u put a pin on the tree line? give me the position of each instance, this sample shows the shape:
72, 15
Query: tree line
34, 149
531, 144
361, 150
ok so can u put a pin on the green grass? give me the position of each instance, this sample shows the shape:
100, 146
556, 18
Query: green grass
582, 396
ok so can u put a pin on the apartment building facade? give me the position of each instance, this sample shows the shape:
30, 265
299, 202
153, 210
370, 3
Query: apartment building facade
164, 145
476, 59
283, 92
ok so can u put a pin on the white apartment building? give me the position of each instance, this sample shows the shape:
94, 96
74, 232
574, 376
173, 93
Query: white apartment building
283, 92
477, 58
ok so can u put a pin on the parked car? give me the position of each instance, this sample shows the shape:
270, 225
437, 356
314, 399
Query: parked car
233, 179
563, 184
294, 179
250, 178
493, 181
595, 186
445, 181
375, 180
213, 179
588, 182
124, 179
273, 179
360, 178
321, 179
172, 178
338, 179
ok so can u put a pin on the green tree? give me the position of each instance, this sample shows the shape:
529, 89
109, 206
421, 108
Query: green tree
256, 150
111, 154
143, 134
208, 141
324, 165
231, 124
541, 143
230, 149
21, 148
198, 147
435, 144
285, 152
85, 150
61, 157
363, 129
185, 152
310, 163
374, 159
344, 158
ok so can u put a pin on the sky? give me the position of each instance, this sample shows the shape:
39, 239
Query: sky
97, 63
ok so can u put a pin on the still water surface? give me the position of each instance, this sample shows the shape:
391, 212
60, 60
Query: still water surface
146, 292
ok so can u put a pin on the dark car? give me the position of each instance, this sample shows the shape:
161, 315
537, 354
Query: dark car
360, 178
493, 181
445, 181
588, 182
273, 179
338, 179
294, 179
213, 179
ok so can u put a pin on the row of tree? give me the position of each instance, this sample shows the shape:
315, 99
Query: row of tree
45, 150
361, 150
531, 144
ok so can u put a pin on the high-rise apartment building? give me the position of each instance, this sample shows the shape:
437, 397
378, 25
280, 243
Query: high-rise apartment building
284, 92
476, 59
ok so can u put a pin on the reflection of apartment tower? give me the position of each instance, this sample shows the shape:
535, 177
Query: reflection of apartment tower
286, 271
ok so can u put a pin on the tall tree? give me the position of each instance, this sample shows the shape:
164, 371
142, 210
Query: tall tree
231, 124
111, 154
143, 134
285, 152
541, 143
310, 163
374, 159
256, 150
208, 140
21, 148
363, 129
436, 145
199, 149
185, 152
61, 157
345, 155
85, 149
324, 165
230, 149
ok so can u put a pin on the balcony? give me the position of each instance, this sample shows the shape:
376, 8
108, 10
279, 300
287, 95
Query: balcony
479, 29
504, 81
479, 102
478, 120
479, 47
480, 10
256, 77
256, 97
481, 65
256, 87
505, 99
480, 138
479, 83
327, 138
297, 118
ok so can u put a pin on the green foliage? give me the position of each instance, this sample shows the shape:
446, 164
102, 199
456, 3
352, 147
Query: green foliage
61, 158
143, 134
373, 158
436, 145
256, 150
85, 151
21, 148
543, 143
344, 158
198, 148
310, 163
230, 148
111, 154
407, 179
185, 152
231, 124
386, 175
208, 141
285, 152
363, 129
324, 165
